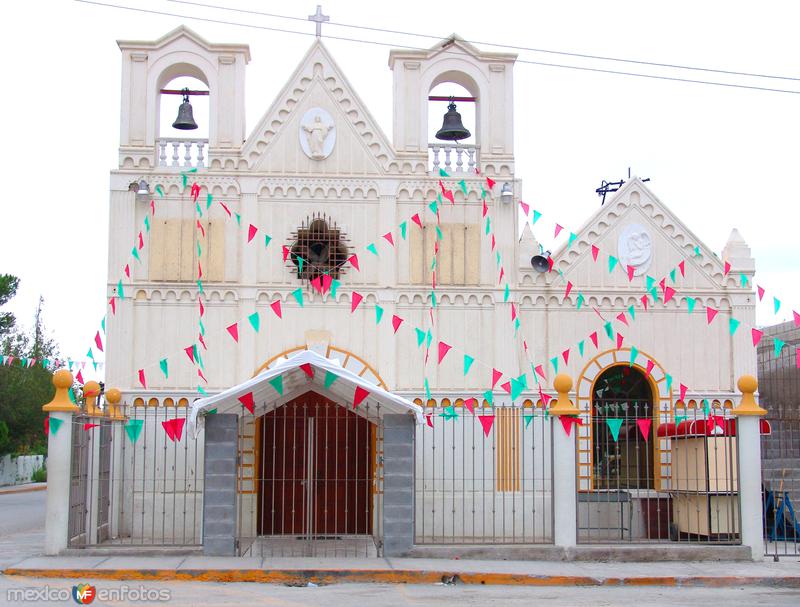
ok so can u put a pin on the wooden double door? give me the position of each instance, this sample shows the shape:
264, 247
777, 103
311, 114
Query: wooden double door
315, 470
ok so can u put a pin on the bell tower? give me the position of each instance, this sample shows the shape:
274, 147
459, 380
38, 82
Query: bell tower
487, 77
147, 67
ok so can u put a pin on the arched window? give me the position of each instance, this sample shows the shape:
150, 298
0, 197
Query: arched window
622, 414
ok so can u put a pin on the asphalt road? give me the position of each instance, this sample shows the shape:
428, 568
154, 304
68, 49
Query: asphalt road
21, 525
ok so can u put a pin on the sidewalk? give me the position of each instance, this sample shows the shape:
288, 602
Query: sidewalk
784, 574
23, 488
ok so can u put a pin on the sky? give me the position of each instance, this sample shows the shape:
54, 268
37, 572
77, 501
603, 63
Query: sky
719, 157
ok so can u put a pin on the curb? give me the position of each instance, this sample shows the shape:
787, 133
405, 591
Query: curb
22, 489
400, 576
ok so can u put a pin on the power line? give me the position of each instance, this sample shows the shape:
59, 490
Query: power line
499, 45
393, 45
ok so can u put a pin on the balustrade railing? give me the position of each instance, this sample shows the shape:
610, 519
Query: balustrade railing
181, 152
452, 157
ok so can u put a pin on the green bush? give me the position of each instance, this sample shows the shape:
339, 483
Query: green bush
39, 475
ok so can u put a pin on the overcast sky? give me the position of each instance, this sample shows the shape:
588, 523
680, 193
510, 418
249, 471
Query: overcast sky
719, 157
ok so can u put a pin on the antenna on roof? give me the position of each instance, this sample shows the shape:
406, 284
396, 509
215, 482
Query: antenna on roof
606, 187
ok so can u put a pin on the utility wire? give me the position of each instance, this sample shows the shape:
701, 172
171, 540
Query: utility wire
496, 44
393, 45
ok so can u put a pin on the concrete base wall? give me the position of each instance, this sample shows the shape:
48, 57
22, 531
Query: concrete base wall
19, 470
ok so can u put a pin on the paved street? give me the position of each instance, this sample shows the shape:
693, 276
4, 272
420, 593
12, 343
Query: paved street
21, 525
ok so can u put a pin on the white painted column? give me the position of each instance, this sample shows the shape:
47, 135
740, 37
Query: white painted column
748, 417
59, 457
565, 515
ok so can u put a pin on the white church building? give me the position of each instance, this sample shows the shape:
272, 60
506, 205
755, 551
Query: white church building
361, 339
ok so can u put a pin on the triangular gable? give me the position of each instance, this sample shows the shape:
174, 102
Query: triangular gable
447, 45
318, 77
635, 203
184, 32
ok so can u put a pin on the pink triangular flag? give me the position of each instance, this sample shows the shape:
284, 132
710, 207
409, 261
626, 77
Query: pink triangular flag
593, 337
355, 300
327, 281
513, 312
201, 228
798, 358
631, 270
429, 419
317, 284
449, 195
496, 375
169, 428
669, 293
152, 207
558, 230
644, 302
761, 292
650, 365
506, 387
189, 352
359, 396
644, 427
415, 218
87, 426
727, 268
234, 331
756, 336
710, 314
494, 242
285, 251
276, 307
227, 210
396, 322
142, 379
683, 392
177, 427
796, 319
195, 191
200, 374
113, 303
389, 238
485, 209
308, 369
248, 402
490, 182
620, 338
567, 423
141, 241
569, 288
525, 208
622, 319
353, 259
443, 350
682, 268
663, 284
540, 371
79, 377
127, 270
98, 342
251, 233
565, 355
486, 422
202, 307
502, 273
595, 252
202, 341
470, 405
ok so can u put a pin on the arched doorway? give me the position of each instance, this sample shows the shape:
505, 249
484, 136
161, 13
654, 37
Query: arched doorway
623, 449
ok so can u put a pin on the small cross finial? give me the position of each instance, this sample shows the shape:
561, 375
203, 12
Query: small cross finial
318, 18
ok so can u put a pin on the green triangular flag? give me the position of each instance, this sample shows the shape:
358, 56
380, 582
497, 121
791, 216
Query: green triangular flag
267, 240
580, 347
54, 424
609, 331
554, 361
300, 262
378, 314
679, 419
146, 223
120, 292
488, 225
743, 280
463, 185
516, 325
706, 408
484, 193
778, 346
427, 391
733, 324
212, 411
371, 248
497, 258
133, 428
691, 302
506, 294
298, 295
434, 207
277, 383
160, 191
697, 251
90, 354
634, 354
164, 369
199, 250
672, 275
614, 424
433, 298
255, 321
202, 390
330, 377
536, 216
443, 173
334, 286
516, 388
632, 312
449, 412
528, 419
429, 338
198, 209
439, 235
238, 218
468, 360
209, 200
523, 379
612, 263
433, 263
200, 286
580, 300
572, 237
420, 336
650, 282
777, 304
71, 394
489, 397
202, 328
669, 381
403, 227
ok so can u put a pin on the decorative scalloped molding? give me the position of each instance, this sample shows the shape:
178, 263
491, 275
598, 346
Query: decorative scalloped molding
305, 187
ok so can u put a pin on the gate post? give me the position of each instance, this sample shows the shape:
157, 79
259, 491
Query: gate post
219, 484
565, 516
398, 483
59, 459
748, 423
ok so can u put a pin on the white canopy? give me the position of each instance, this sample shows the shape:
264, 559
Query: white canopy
296, 382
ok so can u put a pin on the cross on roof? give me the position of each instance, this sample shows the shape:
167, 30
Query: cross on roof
319, 19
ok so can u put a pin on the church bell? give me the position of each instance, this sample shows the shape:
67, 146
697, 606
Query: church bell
185, 120
452, 129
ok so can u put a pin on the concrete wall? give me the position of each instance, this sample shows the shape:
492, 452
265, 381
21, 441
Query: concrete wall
18, 470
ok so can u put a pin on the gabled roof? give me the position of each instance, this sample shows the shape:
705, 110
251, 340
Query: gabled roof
447, 45
296, 382
184, 32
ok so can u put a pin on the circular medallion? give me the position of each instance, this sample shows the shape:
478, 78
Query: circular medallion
635, 248
317, 134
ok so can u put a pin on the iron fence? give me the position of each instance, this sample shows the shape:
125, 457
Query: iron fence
477, 488
780, 476
673, 482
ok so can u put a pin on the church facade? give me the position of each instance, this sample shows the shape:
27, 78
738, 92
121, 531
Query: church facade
401, 262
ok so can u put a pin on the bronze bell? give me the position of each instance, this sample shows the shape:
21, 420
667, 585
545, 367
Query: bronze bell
185, 120
452, 129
